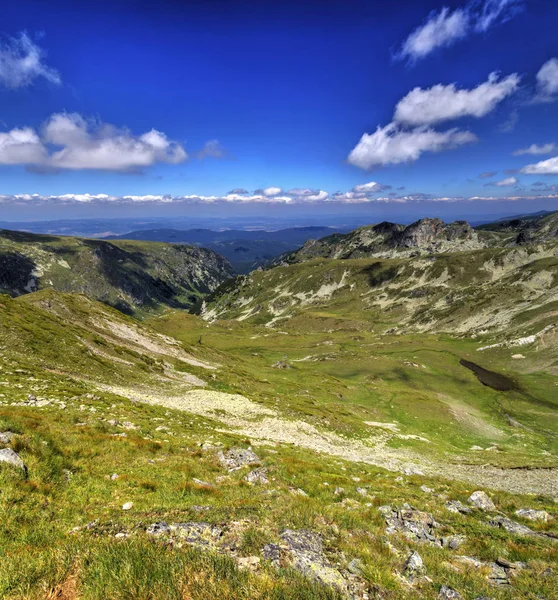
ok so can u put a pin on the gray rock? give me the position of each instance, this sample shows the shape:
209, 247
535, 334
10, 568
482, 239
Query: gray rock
511, 526
7, 455
456, 506
272, 552
236, 458
453, 542
257, 476
414, 565
531, 514
362, 491
305, 554
6, 437
158, 529
481, 500
446, 593
203, 535
416, 525
355, 566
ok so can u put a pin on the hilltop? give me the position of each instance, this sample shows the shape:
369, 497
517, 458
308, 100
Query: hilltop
131, 276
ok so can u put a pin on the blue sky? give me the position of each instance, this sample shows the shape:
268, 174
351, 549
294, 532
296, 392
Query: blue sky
320, 104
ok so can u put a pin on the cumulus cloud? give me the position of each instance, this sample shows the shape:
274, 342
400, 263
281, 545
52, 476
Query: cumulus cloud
544, 167
537, 149
445, 102
391, 145
547, 81
445, 27
271, 191
68, 141
21, 62
507, 182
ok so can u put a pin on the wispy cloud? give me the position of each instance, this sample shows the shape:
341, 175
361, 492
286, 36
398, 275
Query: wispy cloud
507, 182
80, 144
22, 62
487, 174
212, 149
446, 102
391, 145
537, 149
445, 27
547, 82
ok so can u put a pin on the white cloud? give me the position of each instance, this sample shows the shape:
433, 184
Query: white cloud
440, 29
445, 102
272, 191
444, 28
537, 149
391, 145
21, 146
87, 145
370, 187
545, 167
508, 182
21, 62
547, 81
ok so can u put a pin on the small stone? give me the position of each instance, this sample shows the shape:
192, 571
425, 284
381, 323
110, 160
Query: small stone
453, 542
248, 563
203, 483
362, 491
532, 514
113, 422
236, 458
481, 500
127, 506
355, 566
197, 508
456, 506
128, 425
257, 476
6, 437
413, 565
426, 489
157, 529
297, 492
338, 491
446, 593
114, 476
412, 470
7, 455
121, 535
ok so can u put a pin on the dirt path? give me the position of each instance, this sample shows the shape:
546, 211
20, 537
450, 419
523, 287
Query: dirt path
258, 422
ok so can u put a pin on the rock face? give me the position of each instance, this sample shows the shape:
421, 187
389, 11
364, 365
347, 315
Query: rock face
389, 239
7, 455
303, 550
482, 500
236, 458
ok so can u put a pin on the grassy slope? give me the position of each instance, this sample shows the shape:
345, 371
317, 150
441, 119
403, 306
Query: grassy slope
63, 347
133, 276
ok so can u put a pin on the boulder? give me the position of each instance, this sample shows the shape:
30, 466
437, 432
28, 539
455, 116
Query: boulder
7, 455
532, 514
511, 526
413, 565
481, 500
446, 593
416, 525
6, 437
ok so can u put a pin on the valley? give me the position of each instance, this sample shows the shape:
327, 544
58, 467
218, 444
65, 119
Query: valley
289, 433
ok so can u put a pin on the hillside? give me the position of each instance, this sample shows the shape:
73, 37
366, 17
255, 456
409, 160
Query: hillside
238, 461
131, 276
525, 229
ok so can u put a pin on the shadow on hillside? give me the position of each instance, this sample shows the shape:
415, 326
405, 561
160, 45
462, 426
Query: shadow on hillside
16, 274
24, 236
127, 272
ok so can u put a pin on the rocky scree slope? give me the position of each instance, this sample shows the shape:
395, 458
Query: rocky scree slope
512, 290
131, 276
